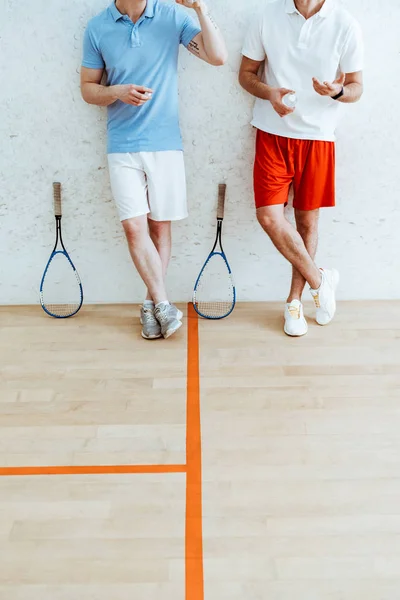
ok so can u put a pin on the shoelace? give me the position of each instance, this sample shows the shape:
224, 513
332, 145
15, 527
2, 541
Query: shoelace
316, 301
294, 312
148, 316
162, 313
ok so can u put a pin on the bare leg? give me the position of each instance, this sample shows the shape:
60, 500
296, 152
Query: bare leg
289, 242
160, 233
145, 256
307, 226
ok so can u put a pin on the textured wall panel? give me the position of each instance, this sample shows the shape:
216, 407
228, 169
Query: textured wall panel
48, 133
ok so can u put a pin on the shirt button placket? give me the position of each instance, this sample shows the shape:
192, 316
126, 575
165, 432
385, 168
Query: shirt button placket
304, 35
133, 37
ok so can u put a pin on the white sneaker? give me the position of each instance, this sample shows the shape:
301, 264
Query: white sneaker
324, 296
295, 323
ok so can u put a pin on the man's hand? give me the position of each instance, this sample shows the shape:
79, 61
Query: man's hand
276, 98
190, 3
136, 95
329, 89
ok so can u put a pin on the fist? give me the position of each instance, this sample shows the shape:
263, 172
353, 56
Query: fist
136, 95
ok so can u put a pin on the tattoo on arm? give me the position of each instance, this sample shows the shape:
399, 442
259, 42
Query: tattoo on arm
194, 47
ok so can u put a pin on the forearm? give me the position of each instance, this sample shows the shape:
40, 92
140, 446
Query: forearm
352, 93
100, 95
254, 86
214, 44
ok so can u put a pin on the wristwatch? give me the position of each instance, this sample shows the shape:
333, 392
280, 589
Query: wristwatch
339, 95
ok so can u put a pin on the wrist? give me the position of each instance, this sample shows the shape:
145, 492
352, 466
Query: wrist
115, 91
269, 92
202, 8
339, 95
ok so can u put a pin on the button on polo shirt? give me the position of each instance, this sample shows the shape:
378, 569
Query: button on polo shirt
296, 50
142, 53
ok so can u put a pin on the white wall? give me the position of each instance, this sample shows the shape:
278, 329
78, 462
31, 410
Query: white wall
47, 133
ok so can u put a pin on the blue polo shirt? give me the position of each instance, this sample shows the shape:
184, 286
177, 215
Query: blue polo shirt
144, 53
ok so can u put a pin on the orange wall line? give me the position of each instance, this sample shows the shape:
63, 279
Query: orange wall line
194, 583
91, 470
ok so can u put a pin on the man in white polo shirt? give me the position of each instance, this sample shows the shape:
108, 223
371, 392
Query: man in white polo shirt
311, 58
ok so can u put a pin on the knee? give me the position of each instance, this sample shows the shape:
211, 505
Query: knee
269, 222
306, 227
133, 229
307, 221
159, 230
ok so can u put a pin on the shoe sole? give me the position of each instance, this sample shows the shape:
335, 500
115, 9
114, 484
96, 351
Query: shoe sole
295, 334
336, 281
151, 337
172, 330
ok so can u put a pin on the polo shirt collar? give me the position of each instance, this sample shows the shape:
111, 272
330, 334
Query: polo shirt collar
291, 7
149, 12
115, 12
325, 10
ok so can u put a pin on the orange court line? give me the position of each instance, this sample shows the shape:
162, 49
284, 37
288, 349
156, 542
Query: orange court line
91, 470
194, 579
194, 571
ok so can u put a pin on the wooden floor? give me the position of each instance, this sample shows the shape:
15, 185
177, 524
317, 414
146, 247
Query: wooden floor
300, 449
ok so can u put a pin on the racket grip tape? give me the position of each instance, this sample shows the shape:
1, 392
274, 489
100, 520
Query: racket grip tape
221, 200
57, 199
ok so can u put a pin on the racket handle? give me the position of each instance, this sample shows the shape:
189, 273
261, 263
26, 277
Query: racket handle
57, 199
221, 201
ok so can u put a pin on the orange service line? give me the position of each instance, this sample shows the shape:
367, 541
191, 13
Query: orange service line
194, 583
91, 470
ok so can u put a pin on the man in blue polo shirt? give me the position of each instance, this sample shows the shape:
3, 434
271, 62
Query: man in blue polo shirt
136, 44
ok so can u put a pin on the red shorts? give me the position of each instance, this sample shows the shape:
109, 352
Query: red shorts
308, 165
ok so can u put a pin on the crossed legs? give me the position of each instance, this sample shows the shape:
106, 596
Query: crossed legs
297, 246
307, 227
149, 244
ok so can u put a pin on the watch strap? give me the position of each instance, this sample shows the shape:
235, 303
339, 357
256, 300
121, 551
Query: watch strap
339, 95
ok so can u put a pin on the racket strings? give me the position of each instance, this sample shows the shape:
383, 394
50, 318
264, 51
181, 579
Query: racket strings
61, 293
213, 310
63, 310
214, 296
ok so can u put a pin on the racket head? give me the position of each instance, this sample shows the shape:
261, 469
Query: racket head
61, 292
214, 295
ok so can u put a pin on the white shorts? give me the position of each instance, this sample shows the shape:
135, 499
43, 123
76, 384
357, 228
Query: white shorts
149, 183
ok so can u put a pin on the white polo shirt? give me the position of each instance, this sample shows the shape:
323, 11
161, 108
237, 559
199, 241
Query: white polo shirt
296, 50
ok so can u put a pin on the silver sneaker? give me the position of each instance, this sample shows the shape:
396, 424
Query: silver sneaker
168, 317
178, 313
151, 329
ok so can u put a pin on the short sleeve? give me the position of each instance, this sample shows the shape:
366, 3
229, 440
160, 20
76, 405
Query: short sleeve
92, 58
352, 58
188, 28
253, 46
